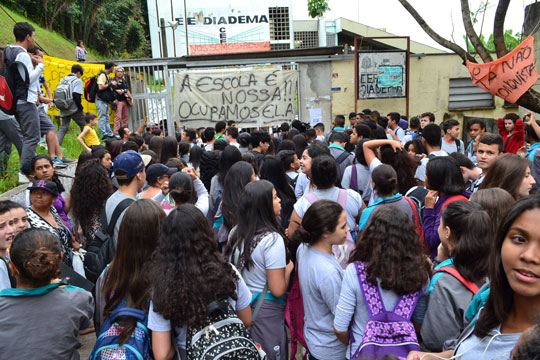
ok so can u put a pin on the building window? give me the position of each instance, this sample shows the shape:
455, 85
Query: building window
465, 95
279, 23
306, 39
285, 46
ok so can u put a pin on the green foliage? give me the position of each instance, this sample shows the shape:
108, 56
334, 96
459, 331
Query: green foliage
111, 28
317, 8
512, 40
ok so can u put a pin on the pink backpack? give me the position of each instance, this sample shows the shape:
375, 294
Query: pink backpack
294, 316
341, 252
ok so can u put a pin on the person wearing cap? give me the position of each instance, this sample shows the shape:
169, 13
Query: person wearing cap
157, 177
43, 215
129, 172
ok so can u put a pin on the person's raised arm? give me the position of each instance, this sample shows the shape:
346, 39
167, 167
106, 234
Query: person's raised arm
370, 146
500, 126
141, 128
533, 123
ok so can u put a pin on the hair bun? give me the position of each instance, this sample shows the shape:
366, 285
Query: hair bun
43, 264
301, 236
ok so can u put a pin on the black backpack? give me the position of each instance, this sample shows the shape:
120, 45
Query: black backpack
222, 336
418, 196
100, 251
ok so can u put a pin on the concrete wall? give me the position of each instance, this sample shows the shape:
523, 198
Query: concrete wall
429, 90
315, 90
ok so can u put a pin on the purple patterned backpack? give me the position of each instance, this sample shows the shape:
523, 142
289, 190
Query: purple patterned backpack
386, 332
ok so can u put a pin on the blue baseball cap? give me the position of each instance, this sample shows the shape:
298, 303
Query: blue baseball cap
155, 171
128, 164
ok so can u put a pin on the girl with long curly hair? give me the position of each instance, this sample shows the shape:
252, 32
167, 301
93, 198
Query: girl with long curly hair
125, 282
257, 247
466, 239
513, 300
89, 194
187, 274
320, 275
393, 261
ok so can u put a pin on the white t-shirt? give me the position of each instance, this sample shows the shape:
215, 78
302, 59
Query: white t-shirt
156, 322
352, 205
302, 186
421, 170
268, 255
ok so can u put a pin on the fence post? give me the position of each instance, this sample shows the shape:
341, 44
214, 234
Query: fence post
169, 100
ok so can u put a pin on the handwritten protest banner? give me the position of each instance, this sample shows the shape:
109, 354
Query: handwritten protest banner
510, 76
56, 69
251, 98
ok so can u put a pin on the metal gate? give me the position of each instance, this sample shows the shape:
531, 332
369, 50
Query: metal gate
152, 83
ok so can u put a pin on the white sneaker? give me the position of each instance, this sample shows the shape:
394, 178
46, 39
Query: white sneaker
23, 179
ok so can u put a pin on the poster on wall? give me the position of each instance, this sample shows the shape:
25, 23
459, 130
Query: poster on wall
252, 98
382, 75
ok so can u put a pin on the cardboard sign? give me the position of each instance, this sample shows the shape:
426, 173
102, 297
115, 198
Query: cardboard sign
251, 98
508, 77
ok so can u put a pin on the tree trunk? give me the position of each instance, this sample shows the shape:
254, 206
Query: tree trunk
498, 28
471, 33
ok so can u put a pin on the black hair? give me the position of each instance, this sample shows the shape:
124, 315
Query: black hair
169, 149
394, 116
284, 127
449, 124
136, 138
21, 30
77, 69
130, 145
181, 189
236, 179
287, 145
321, 217
36, 253
316, 150
84, 156
184, 148
472, 231
511, 116
190, 133
324, 171
352, 115
99, 153
429, 115
493, 139
220, 126
230, 123
414, 122
89, 117
109, 65
272, 170
478, 121
462, 160
291, 133
419, 148
310, 133
259, 136
319, 125
297, 124
232, 132
444, 175
385, 181
208, 134
229, 156
287, 158
5, 207
432, 134
531, 134
195, 156
255, 217
252, 160
339, 137
122, 131
219, 145
359, 152
244, 139
339, 120
366, 111
363, 130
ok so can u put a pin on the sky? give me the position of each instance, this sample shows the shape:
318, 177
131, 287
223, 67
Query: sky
439, 14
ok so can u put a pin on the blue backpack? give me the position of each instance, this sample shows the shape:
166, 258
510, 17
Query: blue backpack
138, 346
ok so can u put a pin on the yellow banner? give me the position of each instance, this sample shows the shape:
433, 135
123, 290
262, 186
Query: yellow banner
56, 69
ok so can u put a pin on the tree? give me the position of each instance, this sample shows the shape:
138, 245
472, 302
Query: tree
531, 98
317, 8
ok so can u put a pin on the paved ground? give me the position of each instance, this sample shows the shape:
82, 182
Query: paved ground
87, 342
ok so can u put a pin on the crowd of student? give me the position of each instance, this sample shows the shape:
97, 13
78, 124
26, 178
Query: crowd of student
385, 237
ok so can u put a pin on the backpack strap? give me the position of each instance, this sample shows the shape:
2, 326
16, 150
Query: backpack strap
406, 304
370, 292
417, 224
342, 198
341, 158
452, 199
311, 197
114, 218
259, 302
458, 145
354, 178
453, 271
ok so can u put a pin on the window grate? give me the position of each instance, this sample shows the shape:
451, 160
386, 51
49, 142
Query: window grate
286, 46
465, 95
279, 23
306, 39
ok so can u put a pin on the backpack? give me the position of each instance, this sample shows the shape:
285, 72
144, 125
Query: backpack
137, 347
418, 196
100, 250
294, 316
469, 285
417, 223
12, 73
386, 332
63, 95
452, 199
222, 336
91, 89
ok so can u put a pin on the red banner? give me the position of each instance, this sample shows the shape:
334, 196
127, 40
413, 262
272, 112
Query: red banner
227, 48
508, 77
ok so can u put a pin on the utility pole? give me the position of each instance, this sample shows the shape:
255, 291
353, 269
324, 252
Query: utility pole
163, 37
185, 25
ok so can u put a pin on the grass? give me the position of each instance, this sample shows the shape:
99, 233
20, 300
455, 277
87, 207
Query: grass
52, 42
70, 149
